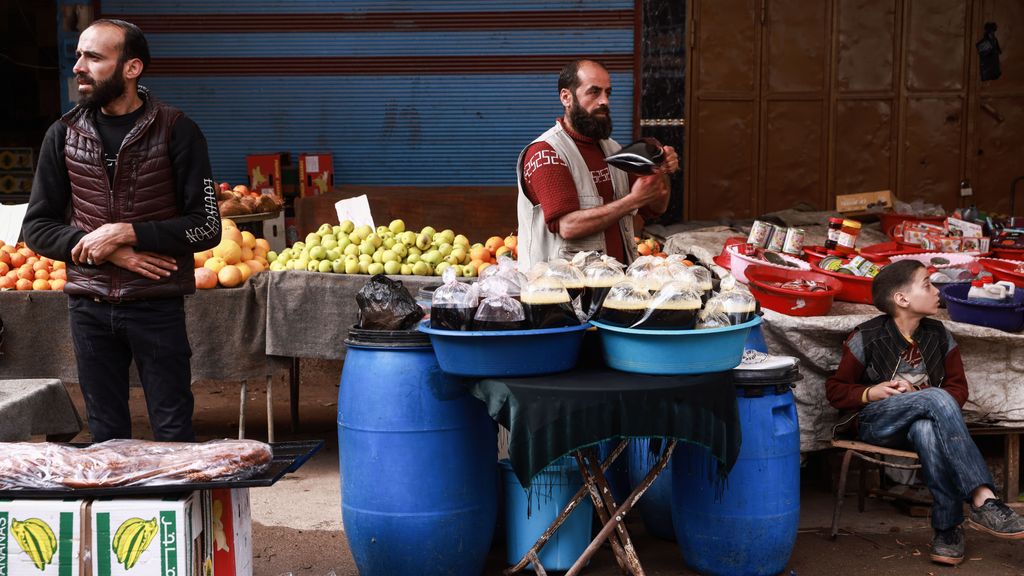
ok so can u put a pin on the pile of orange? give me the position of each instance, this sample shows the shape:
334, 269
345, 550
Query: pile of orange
239, 255
23, 269
483, 255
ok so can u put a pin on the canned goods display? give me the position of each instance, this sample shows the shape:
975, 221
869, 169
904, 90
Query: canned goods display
794, 241
831, 263
777, 240
759, 234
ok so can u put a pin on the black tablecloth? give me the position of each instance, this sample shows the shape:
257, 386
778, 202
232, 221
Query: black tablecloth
550, 416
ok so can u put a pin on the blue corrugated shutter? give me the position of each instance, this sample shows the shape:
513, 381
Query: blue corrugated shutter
453, 103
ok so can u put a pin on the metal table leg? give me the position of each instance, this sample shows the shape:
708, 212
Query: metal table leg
619, 515
531, 554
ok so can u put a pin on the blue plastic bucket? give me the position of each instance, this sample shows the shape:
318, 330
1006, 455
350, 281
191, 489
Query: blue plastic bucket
674, 351
1007, 316
618, 473
528, 513
419, 484
481, 354
655, 506
751, 529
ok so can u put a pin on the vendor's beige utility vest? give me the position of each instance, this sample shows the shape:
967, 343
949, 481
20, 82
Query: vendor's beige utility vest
536, 242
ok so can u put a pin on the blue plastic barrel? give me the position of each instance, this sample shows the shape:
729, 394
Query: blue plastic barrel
418, 480
655, 506
528, 513
755, 338
751, 529
618, 473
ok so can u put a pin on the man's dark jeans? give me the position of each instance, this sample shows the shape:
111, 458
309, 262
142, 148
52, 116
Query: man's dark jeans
930, 423
107, 336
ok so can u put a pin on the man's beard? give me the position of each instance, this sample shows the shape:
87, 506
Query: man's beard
103, 92
587, 124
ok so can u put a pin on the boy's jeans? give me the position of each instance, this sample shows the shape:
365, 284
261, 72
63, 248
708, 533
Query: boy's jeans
930, 423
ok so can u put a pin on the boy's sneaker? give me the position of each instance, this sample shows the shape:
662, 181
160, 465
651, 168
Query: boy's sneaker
948, 546
997, 519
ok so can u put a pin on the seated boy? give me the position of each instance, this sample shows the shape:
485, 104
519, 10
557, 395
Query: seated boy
902, 374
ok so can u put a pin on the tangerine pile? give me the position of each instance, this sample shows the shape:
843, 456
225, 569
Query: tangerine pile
23, 269
238, 256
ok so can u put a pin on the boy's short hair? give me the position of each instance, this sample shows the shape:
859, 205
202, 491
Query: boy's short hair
890, 280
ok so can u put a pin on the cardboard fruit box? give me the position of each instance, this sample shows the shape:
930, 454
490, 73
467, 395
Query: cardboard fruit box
228, 527
148, 536
854, 204
42, 537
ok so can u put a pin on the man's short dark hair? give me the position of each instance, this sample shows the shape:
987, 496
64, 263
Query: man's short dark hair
890, 280
569, 76
134, 45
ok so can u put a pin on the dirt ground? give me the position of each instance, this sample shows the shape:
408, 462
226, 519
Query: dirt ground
297, 523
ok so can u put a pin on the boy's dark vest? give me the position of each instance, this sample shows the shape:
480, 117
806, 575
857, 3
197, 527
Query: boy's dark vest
883, 345
143, 189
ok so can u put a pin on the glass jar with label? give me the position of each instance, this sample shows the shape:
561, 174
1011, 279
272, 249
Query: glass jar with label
847, 241
835, 225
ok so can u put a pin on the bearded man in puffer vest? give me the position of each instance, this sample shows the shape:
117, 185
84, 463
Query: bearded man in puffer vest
123, 193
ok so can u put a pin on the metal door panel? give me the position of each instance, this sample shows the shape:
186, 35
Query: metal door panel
935, 44
793, 173
866, 39
796, 50
1009, 16
932, 150
728, 36
723, 184
863, 146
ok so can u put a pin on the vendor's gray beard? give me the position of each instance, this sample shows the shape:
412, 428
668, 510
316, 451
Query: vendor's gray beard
586, 124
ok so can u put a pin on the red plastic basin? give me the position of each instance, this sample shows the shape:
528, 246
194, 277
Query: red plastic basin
887, 249
1004, 270
1008, 253
856, 289
791, 302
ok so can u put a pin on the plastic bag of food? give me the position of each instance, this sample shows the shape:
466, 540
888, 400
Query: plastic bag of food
739, 306
673, 307
385, 304
546, 304
714, 318
454, 304
500, 312
44, 465
704, 281
651, 276
570, 276
497, 285
625, 304
598, 277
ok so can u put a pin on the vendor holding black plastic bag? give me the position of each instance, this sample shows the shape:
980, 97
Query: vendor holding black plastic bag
570, 199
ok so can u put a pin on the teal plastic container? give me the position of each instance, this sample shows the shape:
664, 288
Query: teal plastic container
674, 351
528, 513
751, 529
419, 484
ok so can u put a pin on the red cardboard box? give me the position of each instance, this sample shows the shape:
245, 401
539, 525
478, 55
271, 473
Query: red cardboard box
230, 526
265, 172
316, 174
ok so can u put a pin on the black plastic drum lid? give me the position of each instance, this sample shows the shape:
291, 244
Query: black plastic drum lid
387, 338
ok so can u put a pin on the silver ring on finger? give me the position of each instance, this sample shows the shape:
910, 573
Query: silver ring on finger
90, 262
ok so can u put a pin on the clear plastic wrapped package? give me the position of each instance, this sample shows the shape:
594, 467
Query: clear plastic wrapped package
673, 307
44, 465
454, 304
569, 275
651, 277
704, 281
546, 304
738, 305
625, 304
500, 312
712, 318
598, 278
497, 285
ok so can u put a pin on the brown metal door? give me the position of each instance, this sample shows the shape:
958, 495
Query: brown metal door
997, 151
934, 99
864, 109
794, 105
723, 109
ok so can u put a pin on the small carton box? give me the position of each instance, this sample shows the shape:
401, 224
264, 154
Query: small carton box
148, 536
958, 227
851, 203
41, 537
229, 523
316, 174
265, 172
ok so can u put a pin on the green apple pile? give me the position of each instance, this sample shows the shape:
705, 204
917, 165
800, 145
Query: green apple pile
350, 249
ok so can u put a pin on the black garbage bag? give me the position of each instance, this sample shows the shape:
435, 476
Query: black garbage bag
988, 53
385, 304
640, 157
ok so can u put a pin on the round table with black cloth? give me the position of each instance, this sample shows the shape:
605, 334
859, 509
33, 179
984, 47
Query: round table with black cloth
550, 416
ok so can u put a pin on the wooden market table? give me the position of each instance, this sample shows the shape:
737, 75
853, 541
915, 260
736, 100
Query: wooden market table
569, 413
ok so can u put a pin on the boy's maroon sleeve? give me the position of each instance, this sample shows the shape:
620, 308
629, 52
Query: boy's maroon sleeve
843, 389
956, 381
